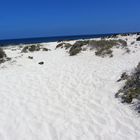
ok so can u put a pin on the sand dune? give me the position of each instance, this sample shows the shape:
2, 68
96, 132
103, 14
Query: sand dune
67, 98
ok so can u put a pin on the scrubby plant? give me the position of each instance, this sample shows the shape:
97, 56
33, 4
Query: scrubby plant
60, 45
3, 56
31, 48
123, 43
131, 89
64, 45
102, 43
74, 51
25, 49
103, 47
45, 49
67, 45
77, 47
138, 39
2, 53
80, 43
104, 51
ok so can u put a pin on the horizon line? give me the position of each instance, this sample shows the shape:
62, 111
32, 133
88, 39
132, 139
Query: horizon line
69, 35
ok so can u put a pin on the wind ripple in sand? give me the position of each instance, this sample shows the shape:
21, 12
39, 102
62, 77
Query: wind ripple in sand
68, 98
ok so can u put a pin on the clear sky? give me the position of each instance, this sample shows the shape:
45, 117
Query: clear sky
38, 18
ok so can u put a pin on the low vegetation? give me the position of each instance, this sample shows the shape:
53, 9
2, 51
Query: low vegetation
45, 49
31, 48
2, 53
3, 56
75, 50
102, 47
131, 89
60, 45
77, 47
64, 45
138, 39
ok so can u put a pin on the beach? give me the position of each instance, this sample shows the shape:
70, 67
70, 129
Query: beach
66, 97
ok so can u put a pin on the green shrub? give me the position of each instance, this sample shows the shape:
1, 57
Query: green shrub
31, 48
80, 43
138, 39
131, 89
60, 45
102, 43
3, 56
122, 42
74, 51
64, 45
103, 47
67, 45
2, 53
77, 47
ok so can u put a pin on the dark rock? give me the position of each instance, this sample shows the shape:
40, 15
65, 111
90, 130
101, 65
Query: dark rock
45, 49
132, 43
30, 57
41, 63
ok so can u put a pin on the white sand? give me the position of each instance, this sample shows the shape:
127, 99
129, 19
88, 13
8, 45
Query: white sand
67, 98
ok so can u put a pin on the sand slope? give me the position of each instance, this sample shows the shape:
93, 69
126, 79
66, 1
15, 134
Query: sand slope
67, 98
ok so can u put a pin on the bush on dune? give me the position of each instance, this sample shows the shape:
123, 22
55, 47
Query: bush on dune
77, 47
74, 51
31, 48
64, 45
2, 53
60, 45
138, 39
3, 56
103, 47
123, 43
67, 45
79, 44
45, 49
131, 89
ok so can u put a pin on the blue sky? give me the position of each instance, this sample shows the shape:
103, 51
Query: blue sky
38, 18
